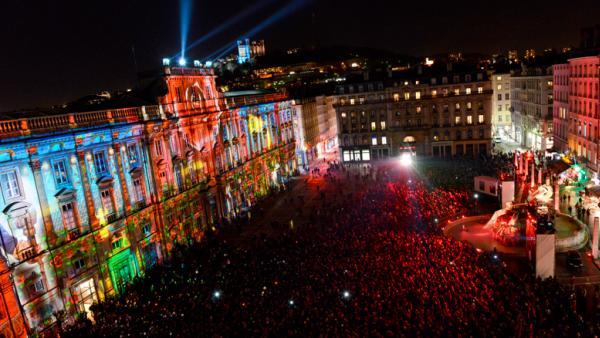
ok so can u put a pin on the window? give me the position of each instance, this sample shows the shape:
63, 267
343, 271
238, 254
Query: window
434, 93
132, 154
60, 172
158, 147
361, 100
507, 107
457, 120
396, 97
469, 119
139, 189
499, 107
480, 118
479, 90
10, 184
418, 95
374, 140
347, 156
352, 101
100, 162
366, 155
419, 109
469, 105
344, 115
373, 126
107, 202
468, 91
456, 91
38, 286
382, 124
407, 96
79, 264
146, 228
457, 106
68, 216
499, 118
499, 97
116, 244
499, 87
383, 140
499, 78
507, 96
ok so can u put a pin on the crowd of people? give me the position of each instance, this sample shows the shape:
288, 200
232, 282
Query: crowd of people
373, 263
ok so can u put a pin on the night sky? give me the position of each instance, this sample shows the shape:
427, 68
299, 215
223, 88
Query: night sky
56, 51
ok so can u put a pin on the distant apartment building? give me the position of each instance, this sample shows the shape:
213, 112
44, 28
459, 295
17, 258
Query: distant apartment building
560, 115
437, 114
501, 116
531, 102
584, 106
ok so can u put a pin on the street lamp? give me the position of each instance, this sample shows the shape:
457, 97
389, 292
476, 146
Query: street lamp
406, 159
476, 196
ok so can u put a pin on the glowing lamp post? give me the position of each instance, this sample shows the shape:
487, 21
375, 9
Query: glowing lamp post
476, 197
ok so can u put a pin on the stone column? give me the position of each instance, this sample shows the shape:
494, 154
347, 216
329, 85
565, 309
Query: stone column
85, 184
124, 190
41, 192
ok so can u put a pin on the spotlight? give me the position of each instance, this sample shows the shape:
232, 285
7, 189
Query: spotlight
182, 62
406, 160
346, 294
216, 295
291, 302
476, 195
166, 62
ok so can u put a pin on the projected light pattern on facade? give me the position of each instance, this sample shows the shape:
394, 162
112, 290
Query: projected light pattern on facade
91, 200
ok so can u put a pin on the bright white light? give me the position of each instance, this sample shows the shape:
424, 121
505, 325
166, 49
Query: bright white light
197, 63
182, 62
166, 62
346, 294
217, 294
208, 64
476, 196
291, 302
406, 160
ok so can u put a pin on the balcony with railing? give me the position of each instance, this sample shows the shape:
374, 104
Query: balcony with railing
69, 121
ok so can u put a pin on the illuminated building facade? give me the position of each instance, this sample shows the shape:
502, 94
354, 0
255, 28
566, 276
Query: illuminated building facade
447, 114
501, 122
531, 92
90, 200
560, 108
584, 107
